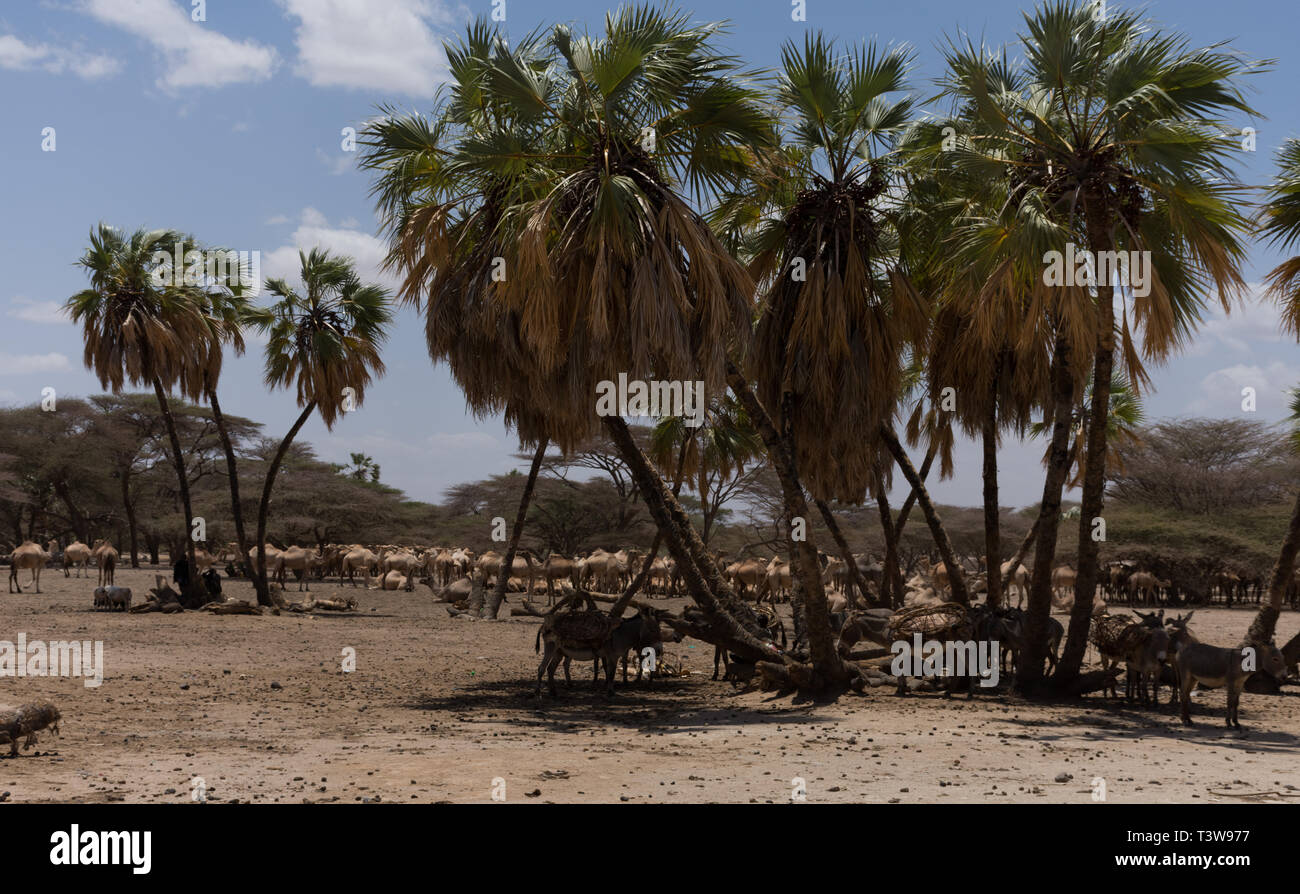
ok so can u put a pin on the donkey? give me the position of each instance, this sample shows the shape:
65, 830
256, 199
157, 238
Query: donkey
1230, 668
587, 636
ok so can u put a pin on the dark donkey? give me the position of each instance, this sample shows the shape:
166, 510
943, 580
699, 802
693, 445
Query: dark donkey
587, 636
1231, 668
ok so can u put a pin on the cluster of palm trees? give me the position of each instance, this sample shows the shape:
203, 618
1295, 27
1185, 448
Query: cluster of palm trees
823, 255
144, 328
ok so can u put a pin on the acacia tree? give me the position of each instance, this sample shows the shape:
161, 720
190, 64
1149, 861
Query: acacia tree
323, 340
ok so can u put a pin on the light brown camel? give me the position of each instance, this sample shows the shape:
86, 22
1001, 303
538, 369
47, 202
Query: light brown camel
106, 559
29, 555
358, 558
271, 553
76, 555
297, 559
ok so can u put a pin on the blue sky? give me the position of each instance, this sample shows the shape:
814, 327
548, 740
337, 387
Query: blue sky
230, 128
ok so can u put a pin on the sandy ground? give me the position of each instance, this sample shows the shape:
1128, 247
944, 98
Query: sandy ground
440, 709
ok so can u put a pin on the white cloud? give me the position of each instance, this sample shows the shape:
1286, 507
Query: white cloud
17, 55
314, 230
195, 56
1242, 331
459, 442
18, 364
31, 311
362, 45
1222, 390
337, 164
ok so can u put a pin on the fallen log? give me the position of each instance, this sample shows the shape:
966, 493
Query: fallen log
348, 604
239, 607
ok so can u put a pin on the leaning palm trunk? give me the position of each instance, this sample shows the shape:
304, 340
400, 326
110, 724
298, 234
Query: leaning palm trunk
1263, 628
508, 562
937, 530
924, 475
617, 609
992, 524
854, 573
805, 568
891, 574
701, 575
236, 508
183, 480
1029, 675
264, 594
1094, 488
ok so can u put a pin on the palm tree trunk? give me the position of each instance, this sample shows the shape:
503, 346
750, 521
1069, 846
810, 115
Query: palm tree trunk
236, 508
507, 562
1263, 628
192, 590
264, 595
908, 503
854, 573
891, 574
1094, 477
954, 569
805, 568
701, 575
992, 525
617, 609
1029, 675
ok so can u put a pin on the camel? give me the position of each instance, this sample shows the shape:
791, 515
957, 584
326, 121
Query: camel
106, 559
271, 553
523, 567
203, 559
1019, 581
358, 558
747, 573
440, 564
661, 573
402, 560
77, 555
835, 573
297, 559
392, 580
778, 579
557, 568
28, 555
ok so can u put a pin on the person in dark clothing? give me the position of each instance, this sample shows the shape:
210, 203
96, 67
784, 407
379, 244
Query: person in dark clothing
181, 573
211, 582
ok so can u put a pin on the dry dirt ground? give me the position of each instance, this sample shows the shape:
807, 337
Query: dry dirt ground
440, 709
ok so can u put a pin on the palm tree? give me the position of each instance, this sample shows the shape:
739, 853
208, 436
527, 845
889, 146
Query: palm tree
836, 310
538, 219
144, 325
1118, 132
362, 468
1280, 221
228, 309
324, 342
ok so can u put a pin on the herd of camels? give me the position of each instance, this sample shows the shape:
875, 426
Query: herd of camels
30, 556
